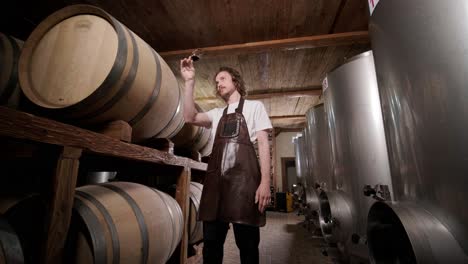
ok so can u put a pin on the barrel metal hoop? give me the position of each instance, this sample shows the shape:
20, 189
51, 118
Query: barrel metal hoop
198, 138
126, 85
154, 94
195, 140
178, 128
179, 212
109, 222
179, 106
140, 219
96, 231
13, 251
172, 219
203, 150
13, 80
196, 202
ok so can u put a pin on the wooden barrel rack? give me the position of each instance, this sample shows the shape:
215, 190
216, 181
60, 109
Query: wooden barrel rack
75, 143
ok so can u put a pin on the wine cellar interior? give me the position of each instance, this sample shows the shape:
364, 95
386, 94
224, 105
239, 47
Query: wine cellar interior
365, 160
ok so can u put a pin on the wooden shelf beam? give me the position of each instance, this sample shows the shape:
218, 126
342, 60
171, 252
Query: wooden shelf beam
21, 125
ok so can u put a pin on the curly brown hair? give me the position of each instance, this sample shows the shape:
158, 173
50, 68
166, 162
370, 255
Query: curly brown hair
236, 79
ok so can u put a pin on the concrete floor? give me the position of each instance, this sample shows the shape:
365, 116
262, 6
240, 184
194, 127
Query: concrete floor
283, 241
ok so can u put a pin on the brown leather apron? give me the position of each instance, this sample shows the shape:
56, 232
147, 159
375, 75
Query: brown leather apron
233, 174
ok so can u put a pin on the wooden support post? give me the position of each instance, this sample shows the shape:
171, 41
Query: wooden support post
60, 204
182, 197
273, 159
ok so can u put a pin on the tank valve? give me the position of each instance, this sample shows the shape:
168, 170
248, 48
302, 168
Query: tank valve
331, 222
368, 190
379, 192
357, 239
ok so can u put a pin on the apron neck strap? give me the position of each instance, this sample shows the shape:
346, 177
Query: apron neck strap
239, 108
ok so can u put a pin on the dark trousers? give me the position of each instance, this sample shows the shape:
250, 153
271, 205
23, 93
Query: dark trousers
214, 235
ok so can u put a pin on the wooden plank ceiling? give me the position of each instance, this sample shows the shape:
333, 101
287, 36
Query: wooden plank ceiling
285, 74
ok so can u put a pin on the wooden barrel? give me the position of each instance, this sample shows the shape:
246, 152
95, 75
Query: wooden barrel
9, 55
206, 150
10, 246
195, 226
123, 222
192, 137
82, 65
26, 216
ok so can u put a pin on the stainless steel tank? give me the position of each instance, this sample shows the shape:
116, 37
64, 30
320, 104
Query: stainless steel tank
300, 189
307, 156
300, 159
421, 57
306, 170
358, 152
318, 148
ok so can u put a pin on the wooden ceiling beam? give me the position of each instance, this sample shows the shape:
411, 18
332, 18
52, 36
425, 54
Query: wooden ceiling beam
337, 39
279, 130
297, 121
316, 91
298, 117
289, 129
310, 91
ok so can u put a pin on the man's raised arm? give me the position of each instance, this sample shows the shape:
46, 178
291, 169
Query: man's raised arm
191, 115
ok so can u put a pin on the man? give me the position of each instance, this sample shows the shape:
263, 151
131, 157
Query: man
237, 188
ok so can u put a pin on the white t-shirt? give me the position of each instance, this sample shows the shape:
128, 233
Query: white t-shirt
254, 113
